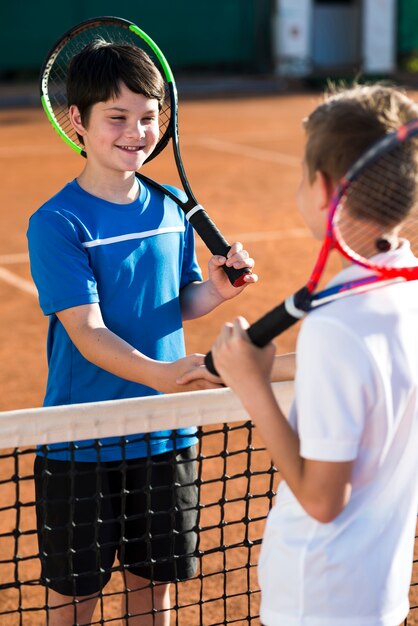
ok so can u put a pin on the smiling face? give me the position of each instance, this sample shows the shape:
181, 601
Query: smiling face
120, 133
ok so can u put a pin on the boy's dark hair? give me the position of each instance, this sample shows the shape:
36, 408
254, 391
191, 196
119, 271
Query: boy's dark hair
96, 73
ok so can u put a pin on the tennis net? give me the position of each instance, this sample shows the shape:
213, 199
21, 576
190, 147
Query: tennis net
235, 481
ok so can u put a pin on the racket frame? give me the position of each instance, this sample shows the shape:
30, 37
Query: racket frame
296, 306
195, 213
332, 241
85, 26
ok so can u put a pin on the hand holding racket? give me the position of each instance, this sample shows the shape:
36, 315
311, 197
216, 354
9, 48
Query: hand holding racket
54, 101
373, 210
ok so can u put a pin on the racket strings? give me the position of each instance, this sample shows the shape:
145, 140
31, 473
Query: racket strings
380, 206
56, 82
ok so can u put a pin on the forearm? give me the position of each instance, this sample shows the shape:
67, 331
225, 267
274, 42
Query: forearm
284, 366
106, 350
322, 488
103, 348
279, 438
198, 299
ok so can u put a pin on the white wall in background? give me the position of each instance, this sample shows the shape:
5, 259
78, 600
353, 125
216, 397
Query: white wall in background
379, 35
292, 23
302, 41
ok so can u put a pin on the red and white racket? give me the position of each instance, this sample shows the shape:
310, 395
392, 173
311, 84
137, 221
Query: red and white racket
373, 210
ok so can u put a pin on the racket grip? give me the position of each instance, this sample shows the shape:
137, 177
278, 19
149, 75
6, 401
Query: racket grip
212, 237
270, 325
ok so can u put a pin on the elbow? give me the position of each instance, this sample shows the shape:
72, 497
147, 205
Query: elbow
324, 499
324, 510
325, 517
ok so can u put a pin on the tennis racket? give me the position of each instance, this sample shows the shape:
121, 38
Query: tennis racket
54, 101
373, 210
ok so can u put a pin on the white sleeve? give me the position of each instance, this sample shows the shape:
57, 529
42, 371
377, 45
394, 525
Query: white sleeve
334, 390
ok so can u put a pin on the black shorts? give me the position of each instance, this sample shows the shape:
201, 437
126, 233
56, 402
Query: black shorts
143, 510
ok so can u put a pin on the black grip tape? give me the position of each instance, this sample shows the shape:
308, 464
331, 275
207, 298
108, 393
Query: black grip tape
269, 326
212, 237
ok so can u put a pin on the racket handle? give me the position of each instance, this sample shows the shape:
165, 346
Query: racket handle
212, 237
202, 224
272, 323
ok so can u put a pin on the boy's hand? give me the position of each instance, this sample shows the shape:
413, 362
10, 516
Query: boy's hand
242, 366
238, 258
201, 378
199, 372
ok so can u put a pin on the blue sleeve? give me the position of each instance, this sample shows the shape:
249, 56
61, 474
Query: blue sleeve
59, 263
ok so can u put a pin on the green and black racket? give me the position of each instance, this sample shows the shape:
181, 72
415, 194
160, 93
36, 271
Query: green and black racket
54, 101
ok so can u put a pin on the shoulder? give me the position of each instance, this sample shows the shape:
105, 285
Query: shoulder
157, 191
55, 218
162, 199
59, 202
350, 316
332, 337
178, 193
326, 319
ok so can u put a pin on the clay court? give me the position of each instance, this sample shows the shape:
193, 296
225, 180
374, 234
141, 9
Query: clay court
242, 157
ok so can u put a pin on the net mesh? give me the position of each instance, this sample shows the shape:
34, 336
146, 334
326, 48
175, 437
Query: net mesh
235, 481
236, 484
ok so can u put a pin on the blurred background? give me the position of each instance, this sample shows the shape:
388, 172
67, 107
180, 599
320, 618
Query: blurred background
228, 44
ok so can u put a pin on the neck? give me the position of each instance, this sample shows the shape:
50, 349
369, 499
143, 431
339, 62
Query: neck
117, 187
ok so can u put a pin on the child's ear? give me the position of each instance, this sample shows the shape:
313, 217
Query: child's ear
324, 189
75, 119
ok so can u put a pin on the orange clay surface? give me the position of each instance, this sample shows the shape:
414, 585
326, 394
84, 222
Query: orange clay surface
242, 157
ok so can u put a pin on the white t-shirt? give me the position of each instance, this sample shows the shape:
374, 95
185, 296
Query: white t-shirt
356, 398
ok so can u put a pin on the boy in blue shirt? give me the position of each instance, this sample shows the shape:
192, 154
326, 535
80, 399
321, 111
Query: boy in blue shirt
116, 271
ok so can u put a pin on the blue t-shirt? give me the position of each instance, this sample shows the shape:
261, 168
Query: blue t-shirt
133, 259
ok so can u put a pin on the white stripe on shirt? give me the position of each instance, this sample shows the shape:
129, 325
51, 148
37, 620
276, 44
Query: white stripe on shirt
143, 235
